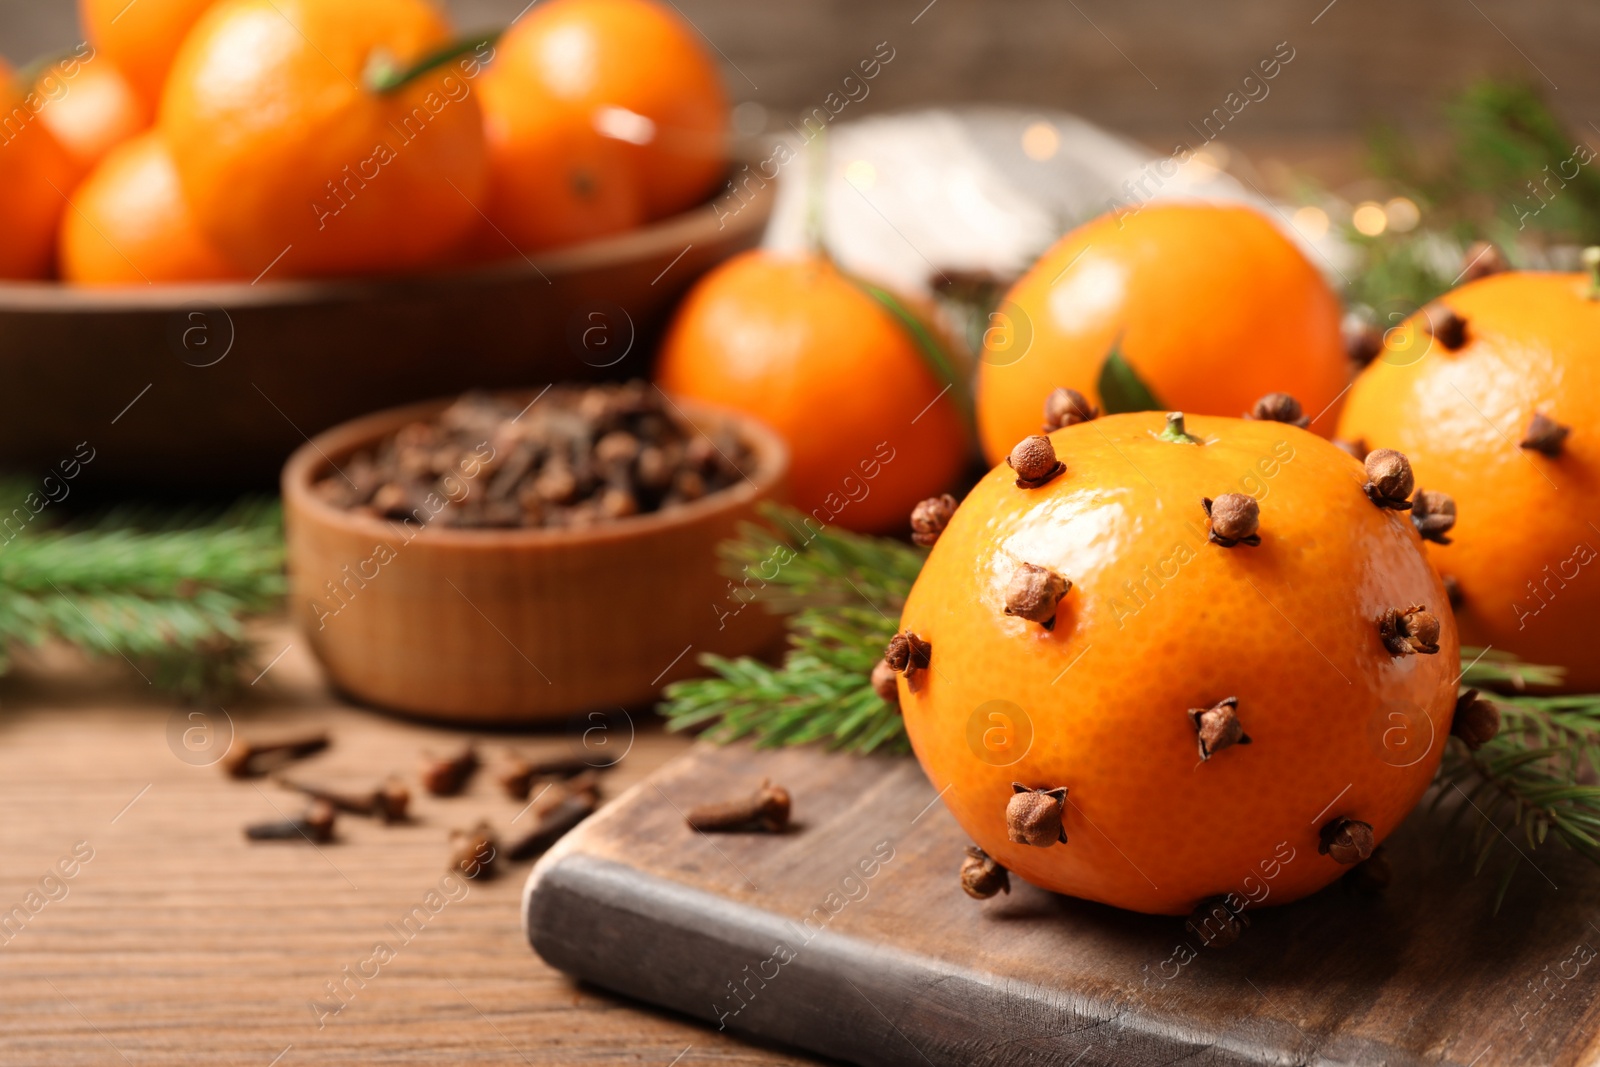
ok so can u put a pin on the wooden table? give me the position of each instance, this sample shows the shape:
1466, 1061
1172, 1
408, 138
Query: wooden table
178, 942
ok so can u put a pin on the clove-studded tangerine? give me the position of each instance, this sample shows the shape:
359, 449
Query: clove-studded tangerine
1172, 645
1507, 425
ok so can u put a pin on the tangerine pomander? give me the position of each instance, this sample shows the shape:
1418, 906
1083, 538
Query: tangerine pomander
1493, 391
1235, 713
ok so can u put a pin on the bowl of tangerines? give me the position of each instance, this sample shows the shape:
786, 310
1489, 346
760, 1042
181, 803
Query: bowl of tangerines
226, 224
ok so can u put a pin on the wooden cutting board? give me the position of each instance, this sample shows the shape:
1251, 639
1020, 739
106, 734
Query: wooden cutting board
850, 936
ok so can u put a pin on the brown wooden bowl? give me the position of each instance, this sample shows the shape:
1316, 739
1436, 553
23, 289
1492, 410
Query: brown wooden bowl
185, 389
518, 626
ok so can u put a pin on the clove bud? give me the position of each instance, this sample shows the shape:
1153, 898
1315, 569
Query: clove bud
1482, 259
518, 774
1033, 816
981, 876
1389, 479
1279, 407
1216, 924
1034, 460
1447, 327
885, 684
907, 653
1476, 720
1034, 593
474, 852
1545, 436
578, 801
1433, 514
254, 759
1371, 875
766, 810
388, 801
1362, 340
1410, 632
1235, 518
1067, 407
448, 777
1217, 727
930, 517
316, 826
1346, 840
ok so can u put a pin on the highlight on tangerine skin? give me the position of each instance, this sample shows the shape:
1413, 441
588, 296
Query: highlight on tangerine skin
1163, 640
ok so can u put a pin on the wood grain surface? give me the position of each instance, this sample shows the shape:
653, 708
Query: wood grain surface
850, 936
179, 943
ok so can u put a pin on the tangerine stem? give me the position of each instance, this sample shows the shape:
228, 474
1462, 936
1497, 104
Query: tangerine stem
388, 79
1174, 430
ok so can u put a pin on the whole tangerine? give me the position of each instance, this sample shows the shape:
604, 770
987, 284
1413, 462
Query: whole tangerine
290, 149
1162, 664
96, 111
794, 342
36, 174
1493, 391
1209, 304
633, 71
130, 224
140, 38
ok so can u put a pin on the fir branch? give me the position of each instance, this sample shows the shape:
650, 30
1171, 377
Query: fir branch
167, 593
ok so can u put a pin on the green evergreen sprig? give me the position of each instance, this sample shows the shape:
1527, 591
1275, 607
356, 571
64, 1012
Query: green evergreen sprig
169, 594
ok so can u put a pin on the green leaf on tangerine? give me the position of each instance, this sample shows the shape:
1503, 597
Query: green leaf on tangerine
1120, 387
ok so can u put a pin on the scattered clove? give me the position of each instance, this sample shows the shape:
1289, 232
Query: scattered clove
576, 803
1279, 407
1389, 479
1034, 460
388, 801
248, 759
1433, 514
1217, 727
1346, 840
1414, 631
474, 852
1067, 407
1033, 816
1216, 924
930, 517
315, 826
767, 810
885, 684
1476, 721
448, 777
1034, 593
517, 774
1235, 518
981, 876
1545, 436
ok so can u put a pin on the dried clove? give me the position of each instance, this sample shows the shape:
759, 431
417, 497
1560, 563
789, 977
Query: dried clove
1362, 340
1235, 518
474, 852
1279, 407
1476, 721
1433, 514
1545, 436
1389, 479
766, 810
1371, 875
1216, 924
1034, 593
885, 684
1034, 460
1452, 591
389, 801
315, 826
930, 517
1217, 727
448, 777
555, 821
518, 774
1033, 816
254, 759
907, 653
1447, 327
981, 876
1482, 259
1067, 407
1346, 840
1414, 631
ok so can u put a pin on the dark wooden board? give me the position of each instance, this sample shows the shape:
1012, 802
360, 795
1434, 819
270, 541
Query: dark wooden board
902, 968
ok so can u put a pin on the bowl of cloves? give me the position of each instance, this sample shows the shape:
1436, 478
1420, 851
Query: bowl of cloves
518, 557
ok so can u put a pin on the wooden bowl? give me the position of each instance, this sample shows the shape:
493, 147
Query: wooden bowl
208, 388
518, 626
